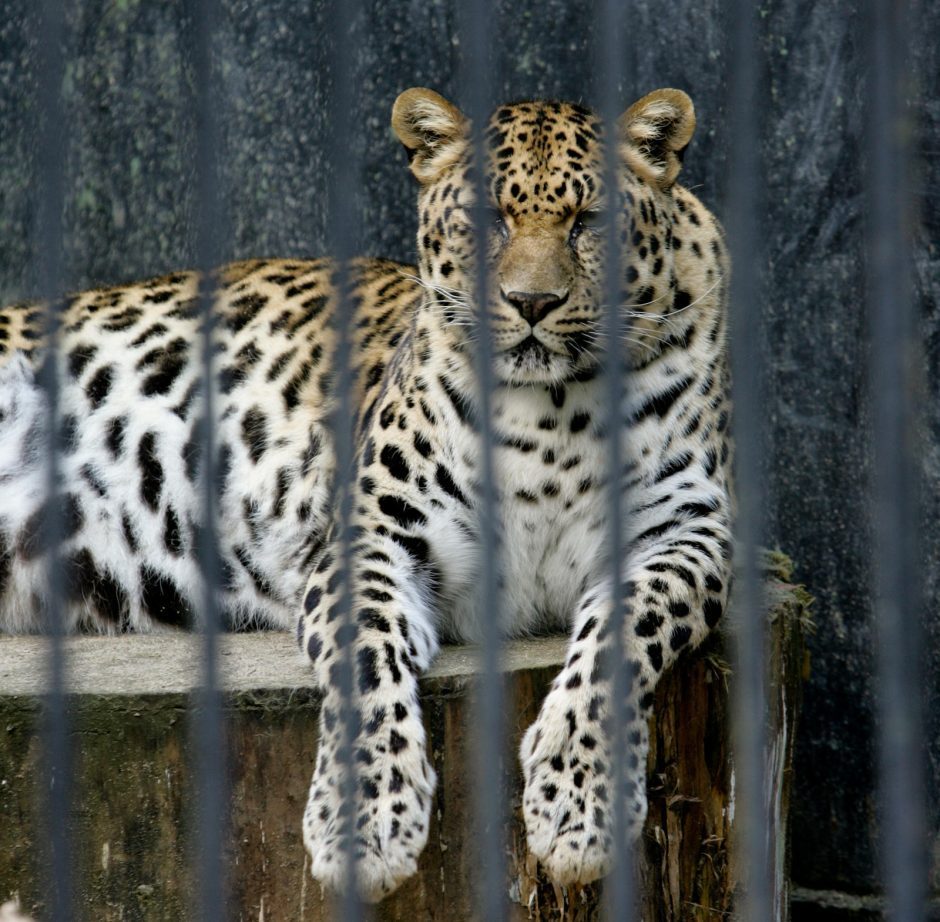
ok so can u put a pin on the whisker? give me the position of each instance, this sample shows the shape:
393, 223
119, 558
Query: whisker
450, 294
678, 310
633, 337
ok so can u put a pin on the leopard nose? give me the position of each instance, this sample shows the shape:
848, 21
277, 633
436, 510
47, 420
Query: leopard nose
535, 306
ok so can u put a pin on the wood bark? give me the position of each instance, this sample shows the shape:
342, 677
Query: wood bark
133, 794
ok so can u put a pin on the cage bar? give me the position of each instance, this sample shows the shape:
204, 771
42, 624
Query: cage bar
893, 372
611, 53
207, 717
749, 705
50, 282
345, 176
476, 71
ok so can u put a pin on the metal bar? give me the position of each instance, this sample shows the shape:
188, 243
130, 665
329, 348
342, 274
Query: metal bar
345, 166
477, 76
207, 723
749, 707
894, 370
619, 889
50, 283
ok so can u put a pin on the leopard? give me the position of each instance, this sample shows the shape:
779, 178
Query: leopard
372, 595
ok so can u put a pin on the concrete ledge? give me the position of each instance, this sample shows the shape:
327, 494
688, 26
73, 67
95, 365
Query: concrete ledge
171, 663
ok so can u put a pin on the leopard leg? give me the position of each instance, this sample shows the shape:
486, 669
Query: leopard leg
389, 643
669, 607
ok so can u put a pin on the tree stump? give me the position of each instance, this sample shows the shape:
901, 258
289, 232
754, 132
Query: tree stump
133, 804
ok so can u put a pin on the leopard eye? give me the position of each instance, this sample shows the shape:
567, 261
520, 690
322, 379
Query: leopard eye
594, 221
594, 218
491, 219
487, 220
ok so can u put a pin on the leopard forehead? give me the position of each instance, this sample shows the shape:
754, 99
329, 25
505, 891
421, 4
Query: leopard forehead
544, 158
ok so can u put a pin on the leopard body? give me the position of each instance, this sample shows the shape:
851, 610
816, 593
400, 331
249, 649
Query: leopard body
131, 430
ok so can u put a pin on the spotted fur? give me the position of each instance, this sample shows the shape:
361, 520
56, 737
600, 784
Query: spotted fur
131, 411
131, 439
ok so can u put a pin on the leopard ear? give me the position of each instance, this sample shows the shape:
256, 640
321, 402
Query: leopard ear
657, 129
432, 130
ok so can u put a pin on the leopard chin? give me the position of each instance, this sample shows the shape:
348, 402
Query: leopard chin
531, 363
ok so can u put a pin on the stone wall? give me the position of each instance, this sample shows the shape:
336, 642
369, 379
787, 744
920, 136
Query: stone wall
129, 91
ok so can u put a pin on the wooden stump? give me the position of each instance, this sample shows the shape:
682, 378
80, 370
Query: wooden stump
133, 794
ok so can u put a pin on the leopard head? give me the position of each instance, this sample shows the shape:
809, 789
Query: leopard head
546, 215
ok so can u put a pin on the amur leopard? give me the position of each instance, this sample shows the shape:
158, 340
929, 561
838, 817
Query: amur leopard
131, 424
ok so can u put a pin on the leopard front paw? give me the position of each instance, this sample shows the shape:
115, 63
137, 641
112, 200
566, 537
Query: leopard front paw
394, 786
568, 798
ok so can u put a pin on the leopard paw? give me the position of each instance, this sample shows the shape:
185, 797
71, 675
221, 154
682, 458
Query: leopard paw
395, 784
568, 798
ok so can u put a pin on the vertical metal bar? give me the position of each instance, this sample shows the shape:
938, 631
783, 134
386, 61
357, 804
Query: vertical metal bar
477, 77
894, 370
345, 170
749, 708
50, 279
208, 729
619, 888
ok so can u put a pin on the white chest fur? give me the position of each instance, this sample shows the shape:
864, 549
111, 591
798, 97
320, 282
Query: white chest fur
550, 471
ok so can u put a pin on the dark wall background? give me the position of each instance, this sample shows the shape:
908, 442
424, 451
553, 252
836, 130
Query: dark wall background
128, 89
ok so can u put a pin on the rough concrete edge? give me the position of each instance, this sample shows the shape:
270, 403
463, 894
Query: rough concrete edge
170, 664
